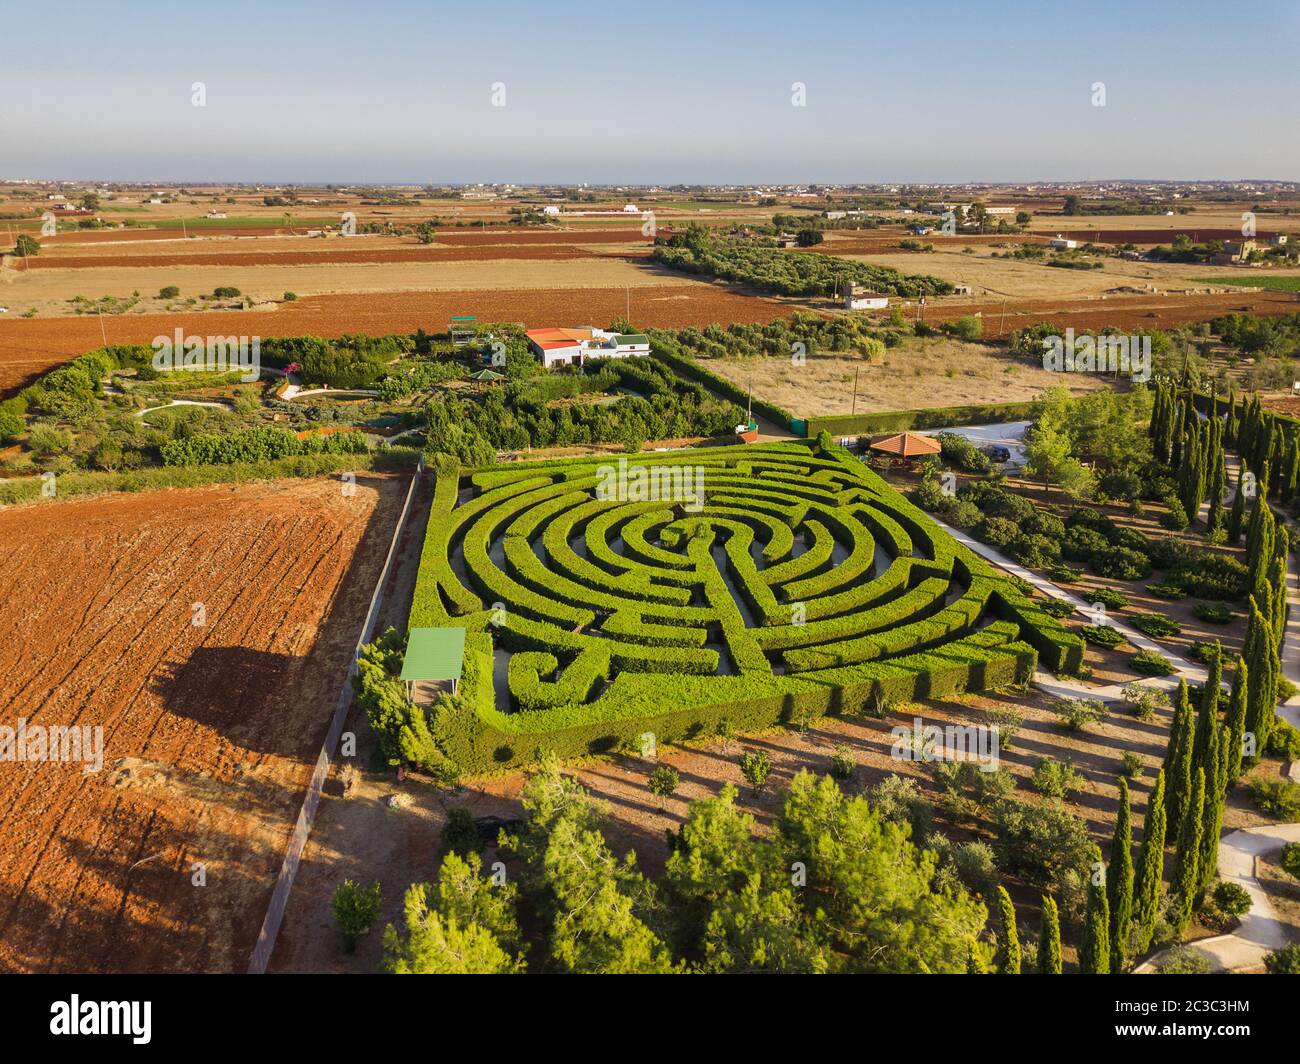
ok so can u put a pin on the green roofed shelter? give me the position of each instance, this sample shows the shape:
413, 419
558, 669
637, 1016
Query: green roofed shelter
487, 375
433, 663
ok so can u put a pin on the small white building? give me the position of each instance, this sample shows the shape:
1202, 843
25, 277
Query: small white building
551, 209
835, 216
999, 210
858, 298
631, 208
565, 347
1062, 243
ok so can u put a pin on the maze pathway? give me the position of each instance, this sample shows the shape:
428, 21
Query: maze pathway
669, 593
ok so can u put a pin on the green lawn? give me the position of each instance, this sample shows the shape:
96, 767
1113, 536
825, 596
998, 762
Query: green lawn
1273, 283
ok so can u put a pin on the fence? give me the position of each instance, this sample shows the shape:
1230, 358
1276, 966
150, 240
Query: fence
307, 814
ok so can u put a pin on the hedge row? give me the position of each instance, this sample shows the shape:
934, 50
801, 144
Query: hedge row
934, 418
609, 643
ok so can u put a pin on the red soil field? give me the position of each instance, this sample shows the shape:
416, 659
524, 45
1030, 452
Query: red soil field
1122, 312
29, 346
209, 733
329, 254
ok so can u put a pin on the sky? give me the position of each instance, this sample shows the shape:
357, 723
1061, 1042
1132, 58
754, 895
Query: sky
391, 91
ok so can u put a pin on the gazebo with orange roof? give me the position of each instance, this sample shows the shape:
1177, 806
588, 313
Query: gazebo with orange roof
905, 445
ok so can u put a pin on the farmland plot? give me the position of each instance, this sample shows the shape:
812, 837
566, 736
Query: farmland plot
206, 631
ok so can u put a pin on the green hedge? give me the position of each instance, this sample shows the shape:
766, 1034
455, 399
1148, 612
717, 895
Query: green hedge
610, 642
934, 418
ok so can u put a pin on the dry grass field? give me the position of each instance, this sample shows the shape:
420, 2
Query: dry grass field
919, 374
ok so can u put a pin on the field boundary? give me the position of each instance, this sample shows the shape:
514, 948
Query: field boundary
266, 937
937, 417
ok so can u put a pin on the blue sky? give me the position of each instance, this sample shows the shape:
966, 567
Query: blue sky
666, 92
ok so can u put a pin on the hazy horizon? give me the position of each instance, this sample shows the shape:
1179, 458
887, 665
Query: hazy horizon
403, 93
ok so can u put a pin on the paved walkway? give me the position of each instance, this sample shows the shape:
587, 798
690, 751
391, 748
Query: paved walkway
1070, 688
1261, 931
182, 402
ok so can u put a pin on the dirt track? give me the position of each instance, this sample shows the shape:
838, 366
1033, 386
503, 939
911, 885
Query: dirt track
209, 731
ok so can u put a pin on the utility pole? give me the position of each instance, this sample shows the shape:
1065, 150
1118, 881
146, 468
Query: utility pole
102, 332
856, 370
1003, 323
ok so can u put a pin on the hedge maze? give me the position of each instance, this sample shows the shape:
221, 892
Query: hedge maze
671, 593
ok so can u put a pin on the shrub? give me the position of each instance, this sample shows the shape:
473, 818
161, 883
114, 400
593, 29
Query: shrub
1231, 898
1184, 960
1277, 797
1057, 607
459, 836
755, 766
1205, 652
225, 292
168, 292
1285, 961
1213, 612
1145, 700
997, 532
1075, 714
290, 297
842, 764
355, 908
1291, 858
664, 782
1166, 591
1284, 740
1175, 517
1062, 573
1108, 597
1080, 543
1131, 765
1155, 624
1102, 635
1056, 779
1121, 563
1047, 844
1149, 663
11, 426
1034, 551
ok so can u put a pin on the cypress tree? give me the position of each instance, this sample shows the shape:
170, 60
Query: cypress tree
1236, 719
1212, 817
1008, 953
1151, 865
1277, 582
1237, 514
1178, 763
1261, 674
1187, 857
1049, 939
1207, 718
1119, 881
1094, 948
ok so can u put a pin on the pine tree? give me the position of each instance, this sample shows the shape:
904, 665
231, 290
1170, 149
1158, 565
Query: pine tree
1151, 865
1008, 952
1187, 856
1049, 939
1119, 881
1236, 719
1094, 948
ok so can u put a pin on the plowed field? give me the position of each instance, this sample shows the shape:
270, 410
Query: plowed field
28, 347
209, 731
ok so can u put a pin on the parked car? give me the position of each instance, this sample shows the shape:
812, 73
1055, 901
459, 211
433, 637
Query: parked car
997, 453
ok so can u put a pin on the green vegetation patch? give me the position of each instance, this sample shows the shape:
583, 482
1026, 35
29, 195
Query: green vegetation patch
719, 588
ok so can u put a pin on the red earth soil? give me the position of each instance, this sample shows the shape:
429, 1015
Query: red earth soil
328, 255
209, 732
29, 346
